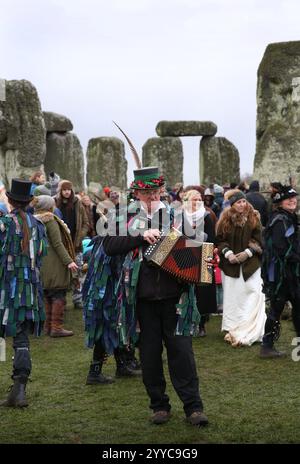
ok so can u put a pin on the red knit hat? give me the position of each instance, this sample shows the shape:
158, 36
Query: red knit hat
106, 190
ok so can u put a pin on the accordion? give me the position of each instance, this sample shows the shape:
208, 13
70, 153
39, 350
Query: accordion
182, 257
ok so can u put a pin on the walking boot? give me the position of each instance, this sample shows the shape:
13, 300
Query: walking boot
57, 330
272, 333
17, 395
132, 362
95, 376
123, 368
270, 352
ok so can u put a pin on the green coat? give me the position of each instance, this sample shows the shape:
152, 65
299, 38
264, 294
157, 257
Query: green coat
55, 274
237, 240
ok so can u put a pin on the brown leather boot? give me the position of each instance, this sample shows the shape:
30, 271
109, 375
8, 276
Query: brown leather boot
48, 310
57, 330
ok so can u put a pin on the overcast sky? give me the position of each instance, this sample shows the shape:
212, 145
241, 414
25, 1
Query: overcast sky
141, 61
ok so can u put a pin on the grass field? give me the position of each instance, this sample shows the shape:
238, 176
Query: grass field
247, 400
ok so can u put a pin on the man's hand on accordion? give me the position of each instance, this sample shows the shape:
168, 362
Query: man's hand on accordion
152, 235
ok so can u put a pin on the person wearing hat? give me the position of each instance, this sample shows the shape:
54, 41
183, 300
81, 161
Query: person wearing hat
23, 240
152, 295
258, 201
239, 243
61, 257
74, 215
281, 264
209, 201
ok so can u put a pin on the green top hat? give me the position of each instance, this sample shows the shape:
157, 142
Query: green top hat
147, 178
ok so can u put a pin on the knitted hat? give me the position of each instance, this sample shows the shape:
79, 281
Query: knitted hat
218, 188
284, 193
106, 190
65, 185
44, 202
234, 195
41, 190
147, 178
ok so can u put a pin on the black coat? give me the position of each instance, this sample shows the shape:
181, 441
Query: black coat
153, 283
281, 256
260, 204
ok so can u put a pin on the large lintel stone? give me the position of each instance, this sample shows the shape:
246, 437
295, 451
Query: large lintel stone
185, 128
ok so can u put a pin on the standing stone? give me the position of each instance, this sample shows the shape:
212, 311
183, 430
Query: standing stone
65, 157
57, 122
185, 128
22, 131
167, 154
106, 162
277, 155
219, 161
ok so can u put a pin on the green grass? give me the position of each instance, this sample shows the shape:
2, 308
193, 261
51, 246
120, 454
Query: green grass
247, 399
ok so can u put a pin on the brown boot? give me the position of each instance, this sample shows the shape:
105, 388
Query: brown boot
48, 310
57, 330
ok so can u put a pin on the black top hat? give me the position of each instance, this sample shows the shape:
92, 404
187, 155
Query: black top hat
20, 190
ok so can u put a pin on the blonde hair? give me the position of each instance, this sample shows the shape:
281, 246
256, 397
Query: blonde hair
189, 194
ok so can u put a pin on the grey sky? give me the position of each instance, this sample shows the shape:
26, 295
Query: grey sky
140, 61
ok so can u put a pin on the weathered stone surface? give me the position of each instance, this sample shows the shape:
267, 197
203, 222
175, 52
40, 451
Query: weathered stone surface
57, 122
167, 154
65, 157
278, 114
219, 161
3, 128
22, 130
185, 128
106, 162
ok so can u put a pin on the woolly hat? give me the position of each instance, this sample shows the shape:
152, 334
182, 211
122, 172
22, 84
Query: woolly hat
218, 188
65, 185
106, 190
234, 195
284, 193
254, 186
41, 190
44, 202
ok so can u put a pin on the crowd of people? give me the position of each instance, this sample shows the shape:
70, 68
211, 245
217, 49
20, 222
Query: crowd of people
50, 235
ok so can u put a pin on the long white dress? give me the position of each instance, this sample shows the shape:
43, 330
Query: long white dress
244, 312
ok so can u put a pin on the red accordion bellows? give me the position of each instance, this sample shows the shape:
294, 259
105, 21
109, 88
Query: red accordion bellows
182, 257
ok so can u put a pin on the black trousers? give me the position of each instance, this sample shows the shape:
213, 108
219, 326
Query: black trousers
277, 305
157, 321
22, 360
286, 293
